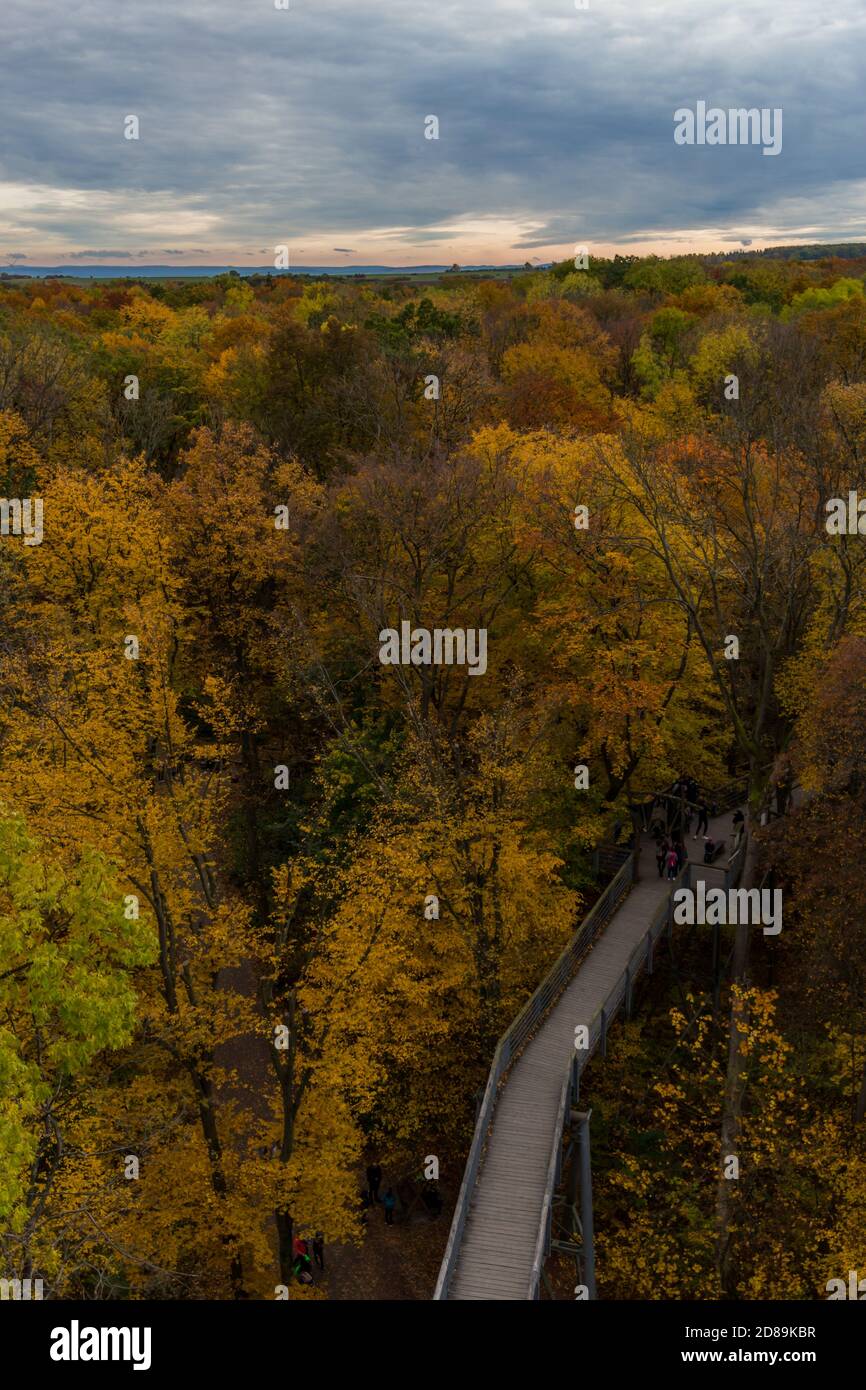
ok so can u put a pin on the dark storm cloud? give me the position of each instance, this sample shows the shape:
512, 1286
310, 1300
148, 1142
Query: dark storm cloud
274, 124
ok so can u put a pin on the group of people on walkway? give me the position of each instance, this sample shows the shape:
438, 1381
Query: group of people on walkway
672, 814
672, 818
671, 855
672, 824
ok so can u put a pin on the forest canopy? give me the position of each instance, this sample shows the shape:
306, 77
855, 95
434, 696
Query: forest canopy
223, 817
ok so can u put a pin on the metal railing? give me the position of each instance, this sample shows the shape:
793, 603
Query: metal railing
780, 802
608, 859
720, 800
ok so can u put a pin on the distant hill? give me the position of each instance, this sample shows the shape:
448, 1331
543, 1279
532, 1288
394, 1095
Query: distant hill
843, 250
162, 272
815, 251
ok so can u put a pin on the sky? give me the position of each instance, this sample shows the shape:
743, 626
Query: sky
305, 127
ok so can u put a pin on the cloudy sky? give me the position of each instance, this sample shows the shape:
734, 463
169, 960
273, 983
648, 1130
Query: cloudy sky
261, 127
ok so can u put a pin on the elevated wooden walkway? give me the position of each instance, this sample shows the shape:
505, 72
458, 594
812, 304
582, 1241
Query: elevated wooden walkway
494, 1247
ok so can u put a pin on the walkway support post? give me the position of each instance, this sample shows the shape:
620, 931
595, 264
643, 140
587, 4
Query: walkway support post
588, 1236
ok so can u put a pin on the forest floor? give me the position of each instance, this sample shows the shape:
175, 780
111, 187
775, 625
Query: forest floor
393, 1263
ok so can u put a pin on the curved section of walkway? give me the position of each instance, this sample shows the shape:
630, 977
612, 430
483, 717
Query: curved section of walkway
493, 1251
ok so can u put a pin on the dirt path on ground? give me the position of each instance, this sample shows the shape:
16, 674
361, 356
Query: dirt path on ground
247, 1054
395, 1263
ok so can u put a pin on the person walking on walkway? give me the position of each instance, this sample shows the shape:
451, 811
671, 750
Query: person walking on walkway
319, 1249
662, 847
703, 820
680, 852
671, 862
374, 1177
389, 1202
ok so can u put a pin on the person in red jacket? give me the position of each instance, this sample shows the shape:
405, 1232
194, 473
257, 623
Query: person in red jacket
301, 1262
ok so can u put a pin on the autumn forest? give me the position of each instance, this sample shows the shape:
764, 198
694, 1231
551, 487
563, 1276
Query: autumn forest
269, 897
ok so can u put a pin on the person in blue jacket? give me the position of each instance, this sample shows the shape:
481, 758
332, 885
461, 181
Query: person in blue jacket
389, 1202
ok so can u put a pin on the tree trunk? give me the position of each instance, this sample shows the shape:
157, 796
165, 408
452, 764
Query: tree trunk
732, 1104
860, 1108
730, 1133
204, 1092
284, 1236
